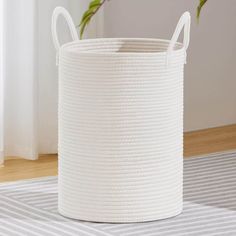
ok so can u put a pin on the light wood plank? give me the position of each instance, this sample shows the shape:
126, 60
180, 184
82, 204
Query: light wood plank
16, 169
210, 140
195, 143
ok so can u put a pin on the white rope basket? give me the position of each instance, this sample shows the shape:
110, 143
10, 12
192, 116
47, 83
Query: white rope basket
121, 126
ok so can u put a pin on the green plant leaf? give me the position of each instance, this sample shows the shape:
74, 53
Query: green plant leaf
94, 3
86, 15
83, 25
199, 8
93, 7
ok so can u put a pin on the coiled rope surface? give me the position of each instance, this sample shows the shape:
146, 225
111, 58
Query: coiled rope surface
121, 127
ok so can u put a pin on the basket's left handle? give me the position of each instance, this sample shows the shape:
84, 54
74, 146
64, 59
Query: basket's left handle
56, 13
184, 22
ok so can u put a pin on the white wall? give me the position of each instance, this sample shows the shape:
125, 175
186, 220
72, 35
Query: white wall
210, 78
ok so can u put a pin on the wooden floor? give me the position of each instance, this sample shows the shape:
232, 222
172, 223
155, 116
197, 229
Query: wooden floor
195, 143
210, 140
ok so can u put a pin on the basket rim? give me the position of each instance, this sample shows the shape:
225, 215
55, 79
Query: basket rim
65, 47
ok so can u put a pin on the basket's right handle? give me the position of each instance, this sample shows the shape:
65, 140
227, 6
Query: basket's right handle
184, 22
56, 13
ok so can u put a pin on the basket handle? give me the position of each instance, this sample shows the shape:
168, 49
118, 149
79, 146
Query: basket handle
56, 13
184, 22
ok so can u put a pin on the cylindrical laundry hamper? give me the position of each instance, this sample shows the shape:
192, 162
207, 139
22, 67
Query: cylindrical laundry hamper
121, 126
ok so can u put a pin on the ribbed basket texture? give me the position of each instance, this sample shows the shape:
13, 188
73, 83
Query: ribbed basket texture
120, 130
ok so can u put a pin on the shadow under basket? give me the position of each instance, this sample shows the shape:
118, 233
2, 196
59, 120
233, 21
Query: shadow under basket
121, 126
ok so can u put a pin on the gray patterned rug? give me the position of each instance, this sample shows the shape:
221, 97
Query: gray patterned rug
30, 207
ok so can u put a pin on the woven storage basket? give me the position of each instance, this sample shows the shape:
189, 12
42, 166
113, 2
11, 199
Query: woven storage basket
121, 126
